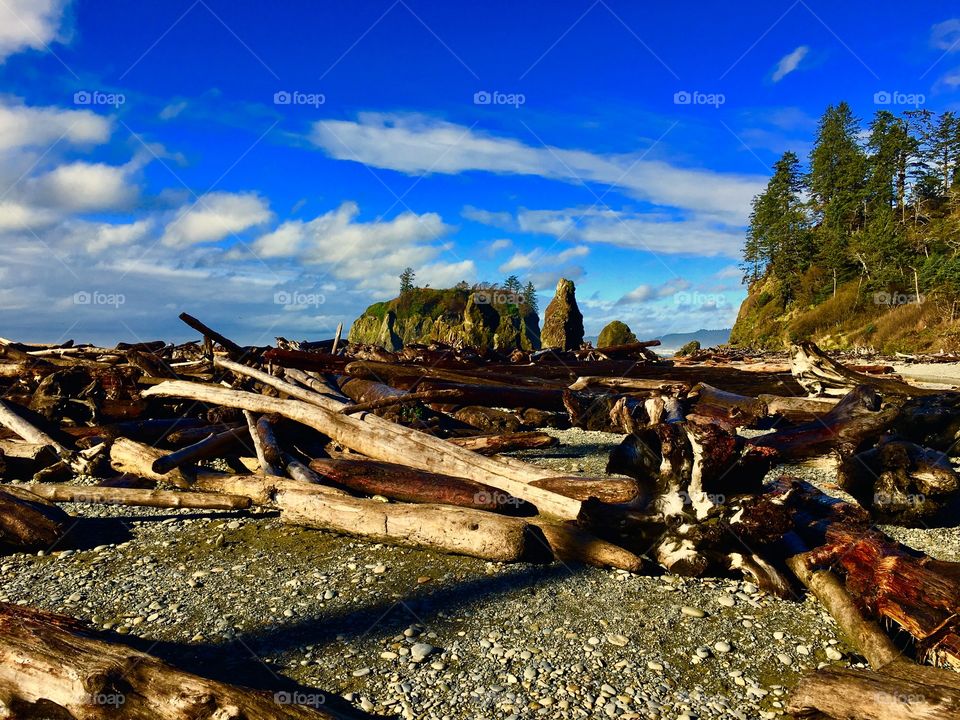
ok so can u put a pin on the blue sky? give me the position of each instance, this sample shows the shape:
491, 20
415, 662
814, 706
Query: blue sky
271, 168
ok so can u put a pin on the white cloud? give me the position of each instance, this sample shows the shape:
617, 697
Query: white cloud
22, 126
643, 293
501, 244
729, 272
173, 109
15, 216
215, 216
415, 145
84, 187
539, 258
28, 24
370, 253
790, 62
97, 237
654, 232
946, 35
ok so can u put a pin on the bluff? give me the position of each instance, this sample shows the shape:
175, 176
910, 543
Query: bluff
482, 319
853, 318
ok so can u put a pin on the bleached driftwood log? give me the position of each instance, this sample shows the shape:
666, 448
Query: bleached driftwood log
379, 439
52, 666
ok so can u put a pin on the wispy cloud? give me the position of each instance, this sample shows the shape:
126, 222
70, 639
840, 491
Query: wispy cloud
789, 62
29, 24
946, 35
415, 144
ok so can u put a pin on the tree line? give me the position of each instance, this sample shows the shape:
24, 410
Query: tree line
515, 292
880, 205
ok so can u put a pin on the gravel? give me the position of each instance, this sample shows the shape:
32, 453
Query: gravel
414, 634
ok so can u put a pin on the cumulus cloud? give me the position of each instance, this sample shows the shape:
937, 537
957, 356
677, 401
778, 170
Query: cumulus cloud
85, 187
416, 145
29, 24
789, 62
22, 126
371, 253
215, 216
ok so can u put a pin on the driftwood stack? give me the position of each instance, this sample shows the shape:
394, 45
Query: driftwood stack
326, 431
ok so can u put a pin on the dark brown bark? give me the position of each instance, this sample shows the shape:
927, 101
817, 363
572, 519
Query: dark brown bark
399, 482
27, 522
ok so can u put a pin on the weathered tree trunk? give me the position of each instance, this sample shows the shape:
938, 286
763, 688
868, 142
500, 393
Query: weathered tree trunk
457, 530
399, 482
137, 497
488, 420
261, 489
797, 409
128, 456
608, 490
819, 374
858, 417
860, 695
54, 666
27, 522
380, 439
902, 483
210, 447
505, 442
740, 410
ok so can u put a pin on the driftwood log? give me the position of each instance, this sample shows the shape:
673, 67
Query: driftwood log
52, 666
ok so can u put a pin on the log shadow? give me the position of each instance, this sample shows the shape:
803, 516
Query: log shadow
239, 660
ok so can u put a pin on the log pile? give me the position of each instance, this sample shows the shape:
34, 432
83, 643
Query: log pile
412, 448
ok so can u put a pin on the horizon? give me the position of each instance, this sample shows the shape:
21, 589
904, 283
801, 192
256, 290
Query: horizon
273, 173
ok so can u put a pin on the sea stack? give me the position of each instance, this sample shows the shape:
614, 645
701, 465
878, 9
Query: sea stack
563, 321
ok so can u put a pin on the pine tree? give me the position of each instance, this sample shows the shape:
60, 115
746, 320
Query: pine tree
406, 280
837, 183
530, 297
512, 285
778, 239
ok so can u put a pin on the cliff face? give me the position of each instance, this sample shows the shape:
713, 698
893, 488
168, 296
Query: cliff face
851, 319
456, 317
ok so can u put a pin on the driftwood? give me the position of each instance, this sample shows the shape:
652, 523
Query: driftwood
52, 666
210, 447
399, 482
456, 530
138, 497
425, 396
901, 482
858, 417
741, 410
899, 693
379, 439
505, 442
129, 456
231, 347
260, 489
819, 374
27, 522
260, 446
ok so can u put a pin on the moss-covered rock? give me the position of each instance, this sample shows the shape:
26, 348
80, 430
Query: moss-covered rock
562, 320
456, 316
615, 333
689, 349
